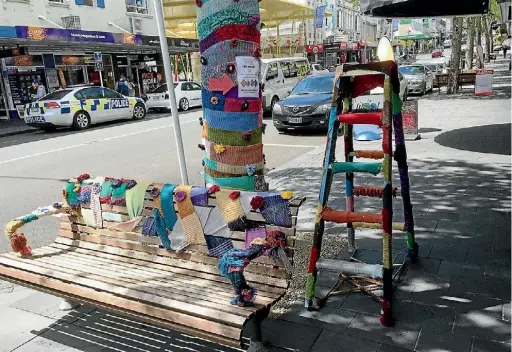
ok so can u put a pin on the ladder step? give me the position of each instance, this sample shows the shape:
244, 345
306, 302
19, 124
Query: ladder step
368, 154
362, 118
350, 268
350, 216
341, 166
397, 226
371, 191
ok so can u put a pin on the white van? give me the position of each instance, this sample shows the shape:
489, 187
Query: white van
279, 76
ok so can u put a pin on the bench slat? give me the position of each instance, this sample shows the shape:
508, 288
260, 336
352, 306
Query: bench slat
226, 335
196, 269
179, 312
148, 284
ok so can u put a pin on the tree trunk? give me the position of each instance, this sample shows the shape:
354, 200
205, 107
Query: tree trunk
455, 59
478, 27
470, 46
232, 112
487, 29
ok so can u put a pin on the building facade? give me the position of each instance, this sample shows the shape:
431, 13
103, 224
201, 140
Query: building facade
59, 39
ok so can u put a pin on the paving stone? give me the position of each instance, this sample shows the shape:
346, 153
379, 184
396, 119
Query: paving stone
497, 271
426, 288
483, 345
361, 303
328, 318
440, 215
334, 342
387, 348
369, 327
412, 314
482, 323
453, 250
453, 269
289, 335
506, 312
443, 341
333, 301
456, 230
489, 286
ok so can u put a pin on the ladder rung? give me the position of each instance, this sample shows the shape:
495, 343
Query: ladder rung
368, 154
350, 216
341, 166
397, 226
351, 268
371, 191
363, 118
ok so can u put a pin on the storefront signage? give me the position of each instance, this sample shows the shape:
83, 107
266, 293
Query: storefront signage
148, 57
483, 82
148, 80
343, 45
13, 52
75, 35
410, 118
319, 16
315, 49
172, 43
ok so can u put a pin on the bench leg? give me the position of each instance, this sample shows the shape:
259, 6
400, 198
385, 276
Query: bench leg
256, 344
68, 305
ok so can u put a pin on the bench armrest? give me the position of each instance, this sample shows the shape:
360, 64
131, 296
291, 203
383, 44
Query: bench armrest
17, 239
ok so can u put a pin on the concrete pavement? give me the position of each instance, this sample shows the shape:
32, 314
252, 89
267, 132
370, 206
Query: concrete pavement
456, 298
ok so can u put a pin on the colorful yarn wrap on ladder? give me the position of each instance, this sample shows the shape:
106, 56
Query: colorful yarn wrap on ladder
229, 35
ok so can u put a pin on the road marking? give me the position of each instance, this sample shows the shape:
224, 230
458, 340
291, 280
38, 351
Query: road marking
89, 142
290, 145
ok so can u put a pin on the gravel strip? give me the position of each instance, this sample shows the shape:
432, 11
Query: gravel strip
331, 246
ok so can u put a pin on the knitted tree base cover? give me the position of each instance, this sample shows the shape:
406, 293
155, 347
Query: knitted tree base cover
229, 33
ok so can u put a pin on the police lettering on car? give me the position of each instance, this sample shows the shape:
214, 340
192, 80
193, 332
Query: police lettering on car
120, 103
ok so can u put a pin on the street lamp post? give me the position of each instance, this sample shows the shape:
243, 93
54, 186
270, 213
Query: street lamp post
170, 86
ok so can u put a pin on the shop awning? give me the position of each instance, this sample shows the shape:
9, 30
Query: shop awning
422, 8
180, 15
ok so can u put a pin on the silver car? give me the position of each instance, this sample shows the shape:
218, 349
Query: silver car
421, 79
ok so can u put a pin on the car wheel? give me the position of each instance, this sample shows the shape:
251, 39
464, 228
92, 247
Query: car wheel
273, 102
81, 120
139, 111
184, 104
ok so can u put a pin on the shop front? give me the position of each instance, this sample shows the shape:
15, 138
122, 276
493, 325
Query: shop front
76, 70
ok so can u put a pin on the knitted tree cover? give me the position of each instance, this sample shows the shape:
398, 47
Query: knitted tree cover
229, 34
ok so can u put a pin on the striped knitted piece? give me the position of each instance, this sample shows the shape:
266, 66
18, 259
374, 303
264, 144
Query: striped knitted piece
96, 205
218, 246
192, 227
276, 211
231, 210
231, 123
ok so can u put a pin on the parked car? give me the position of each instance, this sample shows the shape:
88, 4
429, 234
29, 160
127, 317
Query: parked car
188, 94
404, 87
82, 107
307, 107
437, 53
421, 79
278, 76
317, 68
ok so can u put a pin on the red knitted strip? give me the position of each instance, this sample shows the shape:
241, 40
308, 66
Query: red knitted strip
386, 143
386, 225
315, 254
235, 105
368, 191
232, 31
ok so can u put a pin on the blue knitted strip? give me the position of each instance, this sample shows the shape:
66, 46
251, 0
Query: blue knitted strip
224, 52
231, 121
161, 230
169, 213
207, 100
245, 183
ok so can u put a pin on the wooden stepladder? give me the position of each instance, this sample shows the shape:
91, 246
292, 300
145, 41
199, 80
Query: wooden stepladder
350, 82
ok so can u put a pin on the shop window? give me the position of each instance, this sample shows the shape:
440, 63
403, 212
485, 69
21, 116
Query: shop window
85, 2
56, 1
137, 6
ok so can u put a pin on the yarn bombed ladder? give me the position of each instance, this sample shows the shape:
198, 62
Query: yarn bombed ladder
168, 255
350, 82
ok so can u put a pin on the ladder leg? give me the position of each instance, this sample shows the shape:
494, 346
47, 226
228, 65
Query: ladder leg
349, 184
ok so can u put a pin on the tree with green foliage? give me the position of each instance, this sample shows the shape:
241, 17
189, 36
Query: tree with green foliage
457, 27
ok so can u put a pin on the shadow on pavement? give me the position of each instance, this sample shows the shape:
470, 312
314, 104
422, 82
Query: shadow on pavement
493, 139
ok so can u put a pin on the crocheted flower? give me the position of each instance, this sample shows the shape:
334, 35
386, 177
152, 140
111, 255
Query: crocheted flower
214, 100
116, 183
256, 202
57, 205
82, 178
234, 42
246, 136
276, 239
203, 60
155, 191
230, 68
245, 105
199, 3
287, 195
234, 195
213, 189
181, 196
96, 188
131, 184
254, 19
219, 148
251, 169
201, 146
257, 52
77, 187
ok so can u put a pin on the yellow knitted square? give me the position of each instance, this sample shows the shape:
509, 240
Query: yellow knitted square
191, 223
231, 209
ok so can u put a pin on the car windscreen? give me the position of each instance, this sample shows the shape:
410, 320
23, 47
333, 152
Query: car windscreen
314, 85
411, 70
57, 95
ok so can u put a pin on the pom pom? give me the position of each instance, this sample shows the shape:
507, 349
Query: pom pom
245, 105
234, 42
77, 188
231, 68
234, 195
116, 183
256, 202
57, 205
82, 178
19, 244
254, 19
203, 60
246, 136
201, 146
213, 189
214, 100
181, 196
251, 169
131, 184
287, 195
257, 52
219, 148
155, 191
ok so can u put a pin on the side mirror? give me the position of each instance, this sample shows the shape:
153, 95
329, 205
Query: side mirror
289, 91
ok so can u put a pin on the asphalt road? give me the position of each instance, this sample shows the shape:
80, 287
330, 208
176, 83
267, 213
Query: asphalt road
34, 166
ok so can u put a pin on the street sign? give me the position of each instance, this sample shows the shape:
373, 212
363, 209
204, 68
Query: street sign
98, 66
98, 56
410, 120
483, 82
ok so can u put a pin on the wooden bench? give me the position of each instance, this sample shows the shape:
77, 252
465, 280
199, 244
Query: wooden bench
464, 78
133, 275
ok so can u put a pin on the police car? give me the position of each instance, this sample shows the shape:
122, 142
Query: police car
81, 107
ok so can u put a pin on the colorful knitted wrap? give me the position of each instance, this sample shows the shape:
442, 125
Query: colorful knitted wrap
232, 131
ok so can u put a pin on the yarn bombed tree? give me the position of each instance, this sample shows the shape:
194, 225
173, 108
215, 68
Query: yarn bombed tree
229, 42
